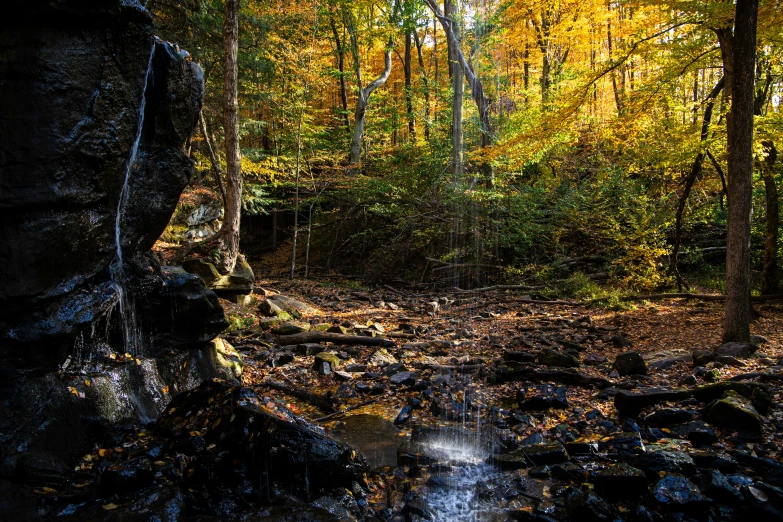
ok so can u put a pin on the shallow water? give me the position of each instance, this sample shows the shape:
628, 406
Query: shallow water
375, 437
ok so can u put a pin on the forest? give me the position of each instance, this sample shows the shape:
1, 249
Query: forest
391, 260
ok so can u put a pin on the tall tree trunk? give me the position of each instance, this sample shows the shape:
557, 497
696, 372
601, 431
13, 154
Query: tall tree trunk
426, 82
695, 171
740, 169
457, 87
363, 96
229, 246
770, 281
408, 84
341, 68
476, 88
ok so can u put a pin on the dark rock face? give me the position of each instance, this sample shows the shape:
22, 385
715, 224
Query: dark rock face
72, 79
266, 439
94, 112
630, 363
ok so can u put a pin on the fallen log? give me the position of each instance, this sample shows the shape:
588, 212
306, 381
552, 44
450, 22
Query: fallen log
528, 372
332, 337
327, 403
496, 287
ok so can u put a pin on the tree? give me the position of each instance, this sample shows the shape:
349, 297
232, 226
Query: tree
229, 244
739, 55
364, 93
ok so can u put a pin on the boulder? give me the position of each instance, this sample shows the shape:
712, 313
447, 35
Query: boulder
630, 363
290, 328
226, 360
530, 456
667, 358
677, 493
736, 349
269, 308
240, 281
542, 397
735, 412
550, 357
654, 462
328, 358
274, 445
619, 482
292, 306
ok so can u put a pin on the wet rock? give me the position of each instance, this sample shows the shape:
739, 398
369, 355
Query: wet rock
736, 349
128, 476
676, 493
542, 397
630, 363
382, 357
666, 359
627, 443
586, 505
530, 456
38, 469
709, 459
736, 412
550, 357
619, 482
265, 437
698, 432
405, 415
667, 417
654, 462
404, 378
418, 508
715, 485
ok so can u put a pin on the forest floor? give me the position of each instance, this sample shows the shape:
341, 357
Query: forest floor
473, 334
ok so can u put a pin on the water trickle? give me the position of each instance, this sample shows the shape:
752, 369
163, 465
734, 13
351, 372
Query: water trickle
130, 330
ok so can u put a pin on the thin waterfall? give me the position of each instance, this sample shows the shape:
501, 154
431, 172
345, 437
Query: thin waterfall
130, 331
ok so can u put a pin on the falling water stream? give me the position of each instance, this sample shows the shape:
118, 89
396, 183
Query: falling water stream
130, 329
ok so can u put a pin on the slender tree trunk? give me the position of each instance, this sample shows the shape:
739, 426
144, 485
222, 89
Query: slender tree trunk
458, 89
229, 248
341, 68
740, 169
408, 84
425, 81
770, 281
217, 171
695, 171
476, 88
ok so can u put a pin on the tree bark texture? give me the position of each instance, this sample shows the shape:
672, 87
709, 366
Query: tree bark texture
408, 84
341, 68
425, 82
740, 170
230, 229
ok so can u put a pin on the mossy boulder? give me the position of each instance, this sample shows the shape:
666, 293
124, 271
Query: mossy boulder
226, 360
734, 411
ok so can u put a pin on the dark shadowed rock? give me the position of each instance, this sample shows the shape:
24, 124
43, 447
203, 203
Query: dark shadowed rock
264, 436
654, 462
667, 417
530, 456
736, 349
542, 397
550, 357
630, 363
619, 482
675, 492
